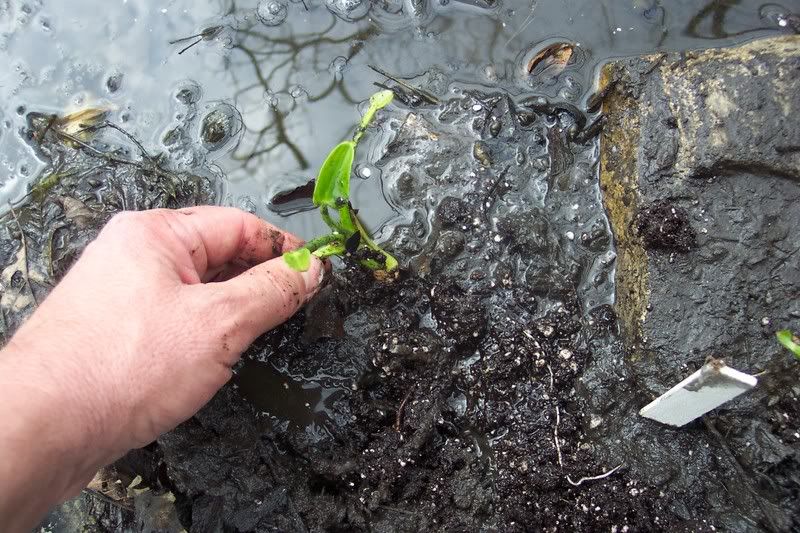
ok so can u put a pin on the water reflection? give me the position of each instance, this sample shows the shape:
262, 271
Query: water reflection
295, 100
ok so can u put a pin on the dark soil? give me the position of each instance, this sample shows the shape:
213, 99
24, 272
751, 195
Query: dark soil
666, 227
424, 440
445, 400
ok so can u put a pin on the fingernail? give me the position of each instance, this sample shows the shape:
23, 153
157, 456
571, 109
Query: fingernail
313, 277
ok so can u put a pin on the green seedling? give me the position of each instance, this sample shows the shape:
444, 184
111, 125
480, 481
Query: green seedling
332, 197
789, 341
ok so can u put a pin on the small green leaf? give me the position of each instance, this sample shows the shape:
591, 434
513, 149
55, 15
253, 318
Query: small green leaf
786, 338
299, 260
377, 102
333, 181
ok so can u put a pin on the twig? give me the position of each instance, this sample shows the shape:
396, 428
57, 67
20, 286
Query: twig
555, 437
154, 168
95, 151
425, 95
593, 478
113, 126
24, 243
491, 191
119, 504
525, 23
744, 478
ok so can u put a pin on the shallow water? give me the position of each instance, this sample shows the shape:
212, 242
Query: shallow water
296, 82
296, 71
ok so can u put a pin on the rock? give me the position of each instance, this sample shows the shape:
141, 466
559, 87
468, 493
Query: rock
700, 173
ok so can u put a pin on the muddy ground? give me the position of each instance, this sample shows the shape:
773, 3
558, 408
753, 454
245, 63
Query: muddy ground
487, 389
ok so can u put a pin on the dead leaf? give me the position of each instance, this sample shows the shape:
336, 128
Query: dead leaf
75, 123
553, 58
76, 211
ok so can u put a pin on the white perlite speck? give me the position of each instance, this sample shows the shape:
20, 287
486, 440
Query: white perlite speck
706, 389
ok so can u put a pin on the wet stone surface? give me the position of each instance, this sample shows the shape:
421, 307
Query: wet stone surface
702, 194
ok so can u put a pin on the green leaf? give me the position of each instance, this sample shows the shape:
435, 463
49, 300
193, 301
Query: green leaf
786, 338
299, 260
333, 181
377, 102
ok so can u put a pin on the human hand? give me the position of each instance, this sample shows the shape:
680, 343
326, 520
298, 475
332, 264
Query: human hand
145, 328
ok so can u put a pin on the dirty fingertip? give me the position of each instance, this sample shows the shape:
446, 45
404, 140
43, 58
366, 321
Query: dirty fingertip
313, 277
291, 242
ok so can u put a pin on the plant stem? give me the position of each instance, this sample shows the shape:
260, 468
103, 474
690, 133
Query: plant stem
391, 262
330, 250
315, 244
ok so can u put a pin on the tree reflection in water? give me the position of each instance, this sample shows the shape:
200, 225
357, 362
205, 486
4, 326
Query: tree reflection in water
278, 73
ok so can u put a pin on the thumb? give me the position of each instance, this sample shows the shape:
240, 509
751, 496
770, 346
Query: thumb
267, 295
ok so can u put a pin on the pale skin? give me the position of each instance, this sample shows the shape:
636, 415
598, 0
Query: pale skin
137, 337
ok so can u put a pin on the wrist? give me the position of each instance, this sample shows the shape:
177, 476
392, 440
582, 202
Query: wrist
48, 452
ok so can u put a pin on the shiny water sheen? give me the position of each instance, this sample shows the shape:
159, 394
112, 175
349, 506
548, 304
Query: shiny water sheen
296, 69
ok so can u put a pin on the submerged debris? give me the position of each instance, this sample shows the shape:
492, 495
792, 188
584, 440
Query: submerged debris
551, 60
91, 177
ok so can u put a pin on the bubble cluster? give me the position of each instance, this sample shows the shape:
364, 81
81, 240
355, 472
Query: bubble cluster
189, 93
271, 12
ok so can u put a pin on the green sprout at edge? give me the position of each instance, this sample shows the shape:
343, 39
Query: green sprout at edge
332, 197
789, 341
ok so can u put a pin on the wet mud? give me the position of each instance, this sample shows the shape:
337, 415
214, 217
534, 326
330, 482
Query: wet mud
447, 398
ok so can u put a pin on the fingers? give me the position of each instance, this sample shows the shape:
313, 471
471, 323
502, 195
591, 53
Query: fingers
260, 299
228, 235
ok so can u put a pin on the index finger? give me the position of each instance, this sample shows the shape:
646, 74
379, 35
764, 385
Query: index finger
228, 235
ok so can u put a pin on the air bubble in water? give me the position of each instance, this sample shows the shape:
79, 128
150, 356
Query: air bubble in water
189, 93
780, 16
271, 12
337, 67
270, 99
571, 89
366, 172
349, 10
281, 102
298, 92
